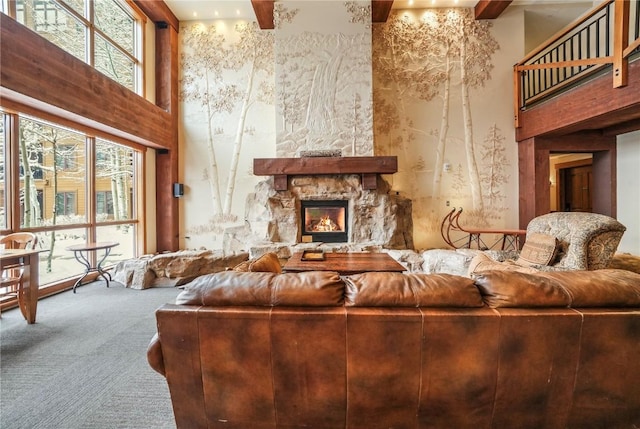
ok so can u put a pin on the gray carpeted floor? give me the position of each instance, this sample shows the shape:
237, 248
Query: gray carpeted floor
83, 364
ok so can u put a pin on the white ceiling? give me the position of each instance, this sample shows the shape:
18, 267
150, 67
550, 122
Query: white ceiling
186, 10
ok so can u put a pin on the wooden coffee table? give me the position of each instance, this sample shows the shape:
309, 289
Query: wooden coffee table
344, 263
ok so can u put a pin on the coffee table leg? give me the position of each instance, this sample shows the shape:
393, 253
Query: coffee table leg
84, 261
101, 272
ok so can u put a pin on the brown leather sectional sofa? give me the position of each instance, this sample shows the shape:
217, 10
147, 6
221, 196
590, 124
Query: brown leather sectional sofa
504, 350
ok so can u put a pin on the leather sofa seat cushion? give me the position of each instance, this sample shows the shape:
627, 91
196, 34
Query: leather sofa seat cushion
382, 289
232, 288
576, 289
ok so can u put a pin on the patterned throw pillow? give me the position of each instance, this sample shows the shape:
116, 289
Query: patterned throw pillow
539, 249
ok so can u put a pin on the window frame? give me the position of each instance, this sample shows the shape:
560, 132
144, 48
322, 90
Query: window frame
87, 20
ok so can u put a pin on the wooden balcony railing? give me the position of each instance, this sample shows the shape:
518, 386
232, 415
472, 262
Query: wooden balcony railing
607, 36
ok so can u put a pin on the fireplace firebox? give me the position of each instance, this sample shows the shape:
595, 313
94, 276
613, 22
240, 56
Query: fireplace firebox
324, 221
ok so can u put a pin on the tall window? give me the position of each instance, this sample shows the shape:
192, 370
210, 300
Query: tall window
104, 33
56, 152
72, 188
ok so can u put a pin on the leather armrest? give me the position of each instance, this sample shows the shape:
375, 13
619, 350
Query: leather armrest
154, 355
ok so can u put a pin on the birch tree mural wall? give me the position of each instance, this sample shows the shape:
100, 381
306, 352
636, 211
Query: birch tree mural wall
222, 80
433, 62
327, 79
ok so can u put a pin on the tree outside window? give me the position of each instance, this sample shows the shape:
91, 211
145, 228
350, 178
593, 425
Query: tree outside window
66, 157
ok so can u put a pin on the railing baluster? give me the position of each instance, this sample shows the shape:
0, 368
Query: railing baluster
608, 34
598, 39
637, 21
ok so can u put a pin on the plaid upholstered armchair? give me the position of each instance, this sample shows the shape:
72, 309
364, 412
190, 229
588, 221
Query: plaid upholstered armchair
584, 241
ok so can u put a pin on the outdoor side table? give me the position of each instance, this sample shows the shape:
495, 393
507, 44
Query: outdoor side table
81, 253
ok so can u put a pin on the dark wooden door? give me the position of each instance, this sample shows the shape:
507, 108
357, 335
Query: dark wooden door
577, 183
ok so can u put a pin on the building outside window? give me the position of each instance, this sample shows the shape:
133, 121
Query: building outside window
104, 203
65, 203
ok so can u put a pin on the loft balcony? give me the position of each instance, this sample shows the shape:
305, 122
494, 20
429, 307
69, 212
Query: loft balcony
586, 77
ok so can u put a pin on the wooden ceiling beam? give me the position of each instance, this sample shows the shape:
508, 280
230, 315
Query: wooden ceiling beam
380, 10
490, 9
264, 13
263, 9
158, 12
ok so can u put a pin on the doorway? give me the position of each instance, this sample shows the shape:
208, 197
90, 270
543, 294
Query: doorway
571, 182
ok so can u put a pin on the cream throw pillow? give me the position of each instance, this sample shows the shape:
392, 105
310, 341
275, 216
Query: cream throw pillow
539, 249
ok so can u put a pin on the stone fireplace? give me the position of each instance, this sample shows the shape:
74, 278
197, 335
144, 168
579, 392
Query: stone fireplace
374, 217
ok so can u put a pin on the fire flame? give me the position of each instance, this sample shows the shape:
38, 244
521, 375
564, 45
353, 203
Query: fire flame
325, 224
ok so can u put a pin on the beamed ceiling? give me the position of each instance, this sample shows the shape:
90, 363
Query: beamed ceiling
484, 9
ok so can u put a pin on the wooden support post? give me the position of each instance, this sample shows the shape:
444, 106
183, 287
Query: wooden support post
620, 43
280, 182
517, 95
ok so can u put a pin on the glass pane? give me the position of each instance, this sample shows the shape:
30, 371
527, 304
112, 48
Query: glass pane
113, 21
125, 235
3, 186
77, 5
114, 63
58, 263
115, 187
55, 24
52, 175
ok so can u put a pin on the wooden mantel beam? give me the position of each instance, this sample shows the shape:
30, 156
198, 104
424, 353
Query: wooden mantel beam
264, 12
490, 9
367, 166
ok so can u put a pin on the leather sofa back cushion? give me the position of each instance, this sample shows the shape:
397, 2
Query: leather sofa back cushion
373, 289
307, 289
599, 288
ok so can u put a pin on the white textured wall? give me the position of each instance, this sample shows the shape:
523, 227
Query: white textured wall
323, 77
628, 194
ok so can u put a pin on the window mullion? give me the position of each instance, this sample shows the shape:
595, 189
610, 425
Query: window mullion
13, 178
90, 187
91, 35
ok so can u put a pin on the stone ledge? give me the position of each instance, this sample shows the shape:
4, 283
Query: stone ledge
174, 268
178, 268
